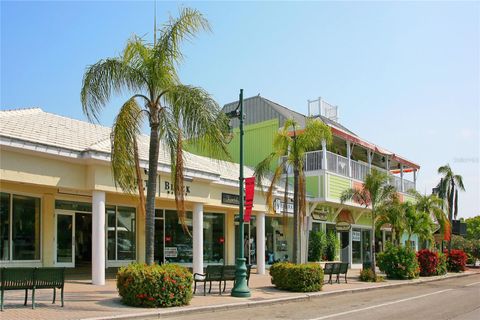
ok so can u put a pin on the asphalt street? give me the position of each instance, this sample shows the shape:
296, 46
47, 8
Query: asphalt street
456, 298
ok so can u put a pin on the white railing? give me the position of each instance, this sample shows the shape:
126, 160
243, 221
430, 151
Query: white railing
359, 170
337, 164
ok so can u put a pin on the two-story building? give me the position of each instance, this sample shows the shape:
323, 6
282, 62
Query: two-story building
329, 170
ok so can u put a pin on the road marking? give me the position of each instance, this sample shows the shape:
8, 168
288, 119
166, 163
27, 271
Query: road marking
380, 305
472, 284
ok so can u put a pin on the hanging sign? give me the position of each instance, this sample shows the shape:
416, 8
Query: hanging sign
249, 193
319, 215
342, 226
228, 198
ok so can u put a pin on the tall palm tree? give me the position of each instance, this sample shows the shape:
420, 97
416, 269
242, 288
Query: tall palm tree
432, 205
447, 190
289, 149
417, 222
375, 193
174, 112
391, 213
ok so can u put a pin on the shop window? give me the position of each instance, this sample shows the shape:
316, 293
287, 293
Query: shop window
19, 227
213, 237
279, 239
121, 235
178, 243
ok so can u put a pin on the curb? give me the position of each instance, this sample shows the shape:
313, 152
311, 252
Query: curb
242, 305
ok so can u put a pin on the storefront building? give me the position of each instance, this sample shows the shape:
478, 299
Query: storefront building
60, 207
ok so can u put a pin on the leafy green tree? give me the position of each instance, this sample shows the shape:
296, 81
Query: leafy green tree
432, 205
392, 214
417, 222
473, 227
173, 111
289, 149
375, 193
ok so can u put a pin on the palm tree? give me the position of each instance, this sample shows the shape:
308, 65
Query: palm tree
432, 205
447, 190
290, 146
375, 192
391, 213
174, 112
417, 222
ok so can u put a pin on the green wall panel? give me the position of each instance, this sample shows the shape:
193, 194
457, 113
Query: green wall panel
312, 186
336, 185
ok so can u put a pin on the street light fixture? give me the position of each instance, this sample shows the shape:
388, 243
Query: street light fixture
240, 289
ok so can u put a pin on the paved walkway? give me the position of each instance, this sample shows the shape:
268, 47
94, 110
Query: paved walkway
86, 301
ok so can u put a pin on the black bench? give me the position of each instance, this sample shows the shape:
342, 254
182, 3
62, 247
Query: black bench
220, 273
335, 268
31, 279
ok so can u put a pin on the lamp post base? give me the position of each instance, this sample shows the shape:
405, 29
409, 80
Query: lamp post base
241, 290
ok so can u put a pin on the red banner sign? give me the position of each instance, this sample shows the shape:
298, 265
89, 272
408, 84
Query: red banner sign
249, 192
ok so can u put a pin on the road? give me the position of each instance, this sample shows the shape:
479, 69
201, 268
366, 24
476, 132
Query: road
457, 298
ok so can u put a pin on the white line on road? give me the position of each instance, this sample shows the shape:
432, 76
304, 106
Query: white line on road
472, 284
380, 305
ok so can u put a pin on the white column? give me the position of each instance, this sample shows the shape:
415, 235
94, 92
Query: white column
402, 188
98, 238
349, 157
261, 243
198, 238
324, 154
369, 160
415, 178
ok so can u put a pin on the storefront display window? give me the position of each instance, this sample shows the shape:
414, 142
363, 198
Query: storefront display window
24, 233
121, 233
361, 245
213, 237
279, 239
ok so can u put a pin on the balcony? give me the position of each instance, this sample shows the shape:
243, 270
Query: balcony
338, 165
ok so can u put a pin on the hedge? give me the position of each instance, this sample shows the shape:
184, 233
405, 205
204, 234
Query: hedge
398, 262
168, 285
456, 260
297, 277
428, 261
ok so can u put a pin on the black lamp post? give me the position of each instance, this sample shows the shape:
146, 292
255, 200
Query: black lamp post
240, 288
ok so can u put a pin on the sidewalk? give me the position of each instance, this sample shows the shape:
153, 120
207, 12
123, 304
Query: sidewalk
86, 301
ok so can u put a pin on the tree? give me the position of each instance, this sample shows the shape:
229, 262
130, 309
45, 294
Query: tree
447, 189
391, 213
473, 228
289, 149
375, 193
417, 222
432, 205
174, 112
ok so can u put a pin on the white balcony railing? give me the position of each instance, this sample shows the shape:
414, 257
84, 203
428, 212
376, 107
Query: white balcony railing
339, 165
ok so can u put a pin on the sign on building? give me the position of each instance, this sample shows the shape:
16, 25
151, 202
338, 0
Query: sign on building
279, 206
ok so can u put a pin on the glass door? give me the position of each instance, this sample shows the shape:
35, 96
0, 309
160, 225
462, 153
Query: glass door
65, 239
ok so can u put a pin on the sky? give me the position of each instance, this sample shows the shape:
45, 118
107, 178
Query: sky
405, 75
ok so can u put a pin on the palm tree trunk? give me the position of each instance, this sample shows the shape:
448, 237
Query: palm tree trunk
450, 214
295, 214
151, 191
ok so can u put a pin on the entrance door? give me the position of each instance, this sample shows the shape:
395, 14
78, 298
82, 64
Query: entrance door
65, 239
83, 240
345, 245
159, 241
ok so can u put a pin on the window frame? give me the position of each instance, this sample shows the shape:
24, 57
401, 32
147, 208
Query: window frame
116, 262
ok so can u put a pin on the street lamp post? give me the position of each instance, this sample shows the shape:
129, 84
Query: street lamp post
240, 288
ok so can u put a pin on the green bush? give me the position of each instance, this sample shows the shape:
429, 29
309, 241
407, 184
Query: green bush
297, 277
168, 285
332, 246
442, 264
367, 275
398, 263
317, 243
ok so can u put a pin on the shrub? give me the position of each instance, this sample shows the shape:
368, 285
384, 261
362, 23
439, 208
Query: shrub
317, 243
367, 275
442, 264
398, 262
332, 246
297, 277
456, 261
428, 261
168, 285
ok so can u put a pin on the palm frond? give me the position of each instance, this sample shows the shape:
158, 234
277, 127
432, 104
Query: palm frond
103, 79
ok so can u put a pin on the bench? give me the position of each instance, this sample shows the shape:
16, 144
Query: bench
31, 279
335, 268
218, 273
